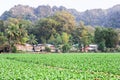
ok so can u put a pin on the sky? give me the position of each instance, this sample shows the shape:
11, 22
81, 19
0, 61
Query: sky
79, 5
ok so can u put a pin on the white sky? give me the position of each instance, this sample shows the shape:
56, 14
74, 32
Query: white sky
80, 5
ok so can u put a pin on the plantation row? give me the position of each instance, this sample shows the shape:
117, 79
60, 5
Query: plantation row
60, 66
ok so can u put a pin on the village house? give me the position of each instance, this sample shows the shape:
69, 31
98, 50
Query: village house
24, 47
90, 48
52, 47
36, 48
39, 48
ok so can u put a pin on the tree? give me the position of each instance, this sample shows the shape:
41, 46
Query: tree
108, 36
32, 40
76, 38
51, 39
98, 37
3, 38
57, 24
65, 38
56, 40
11, 33
3, 43
44, 29
81, 36
111, 38
66, 22
65, 48
85, 36
28, 25
2, 28
15, 32
118, 31
102, 45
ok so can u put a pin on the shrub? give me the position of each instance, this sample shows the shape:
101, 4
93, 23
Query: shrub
47, 49
14, 50
118, 49
66, 48
110, 50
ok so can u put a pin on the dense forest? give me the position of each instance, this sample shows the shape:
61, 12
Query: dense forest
60, 28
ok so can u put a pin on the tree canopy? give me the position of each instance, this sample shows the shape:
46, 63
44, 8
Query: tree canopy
60, 30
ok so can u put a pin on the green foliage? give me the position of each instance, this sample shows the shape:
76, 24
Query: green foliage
59, 66
113, 50
85, 35
101, 45
15, 31
107, 37
47, 28
14, 50
82, 36
2, 27
58, 29
111, 38
65, 48
76, 36
55, 40
118, 49
32, 39
66, 22
65, 38
28, 25
3, 38
51, 40
47, 49
44, 28
98, 35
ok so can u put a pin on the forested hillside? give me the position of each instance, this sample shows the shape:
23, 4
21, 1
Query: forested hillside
57, 26
96, 17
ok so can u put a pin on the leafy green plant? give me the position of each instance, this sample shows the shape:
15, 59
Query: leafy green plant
47, 49
59, 66
65, 48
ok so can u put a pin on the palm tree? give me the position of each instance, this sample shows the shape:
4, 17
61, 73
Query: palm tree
11, 34
32, 40
16, 34
22, 33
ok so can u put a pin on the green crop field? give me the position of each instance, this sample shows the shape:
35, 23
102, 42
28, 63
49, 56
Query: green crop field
85, 66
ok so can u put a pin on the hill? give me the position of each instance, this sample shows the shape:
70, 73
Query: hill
95, 17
